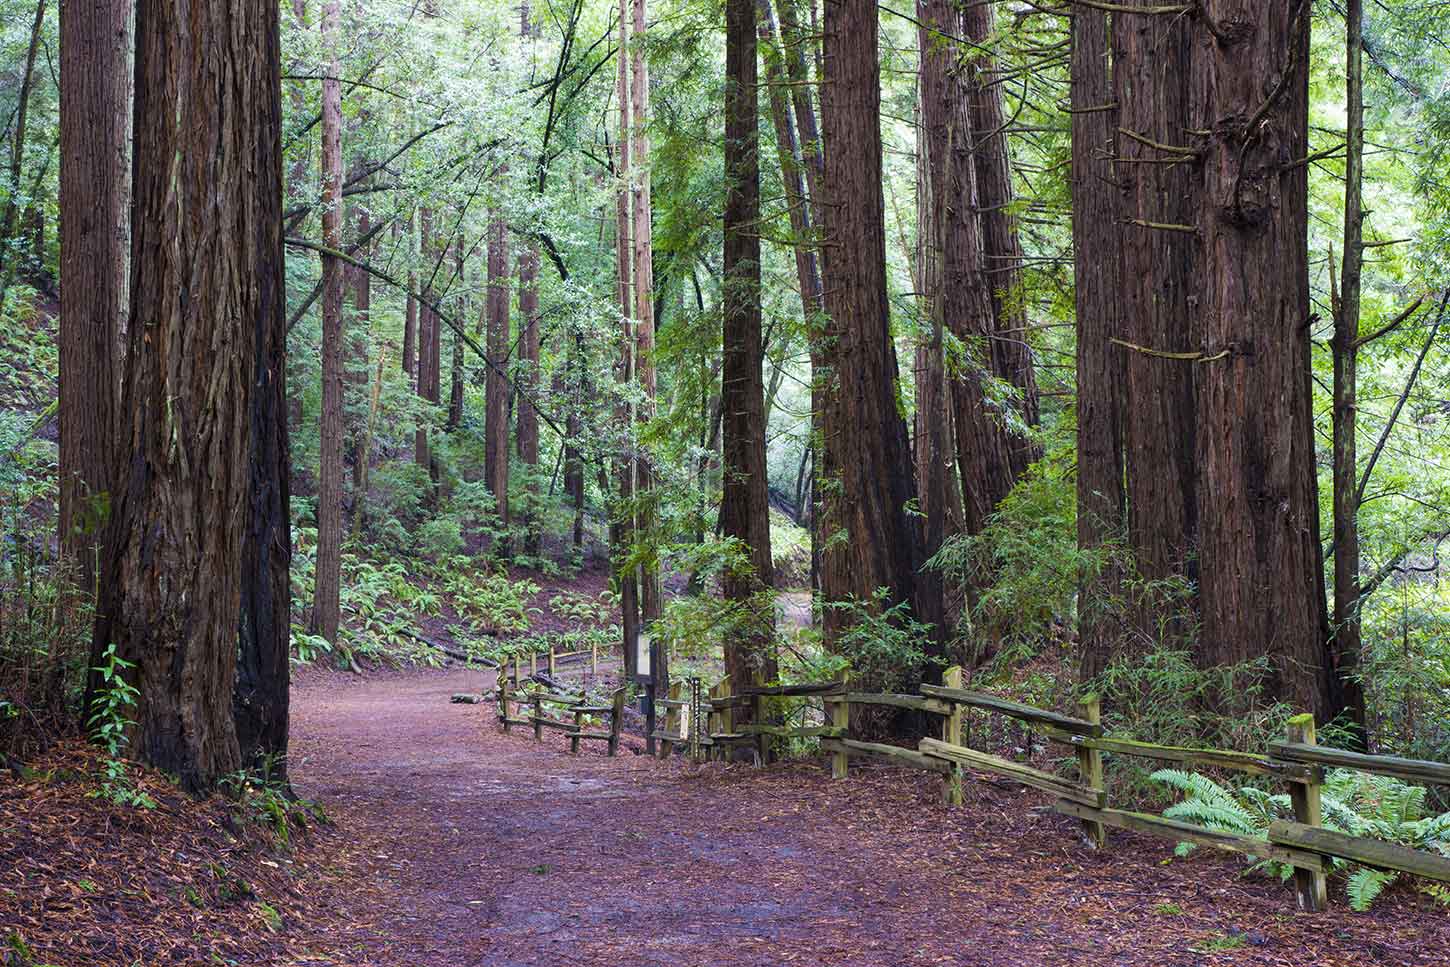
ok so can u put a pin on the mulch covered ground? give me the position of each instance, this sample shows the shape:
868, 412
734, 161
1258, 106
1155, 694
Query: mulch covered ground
458, 845
498, 850
83, 881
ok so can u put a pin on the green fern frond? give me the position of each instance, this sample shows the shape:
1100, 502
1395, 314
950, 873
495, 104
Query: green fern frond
1229, 817
1365, 885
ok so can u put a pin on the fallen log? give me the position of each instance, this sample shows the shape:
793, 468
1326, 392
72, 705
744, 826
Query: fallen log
453, 653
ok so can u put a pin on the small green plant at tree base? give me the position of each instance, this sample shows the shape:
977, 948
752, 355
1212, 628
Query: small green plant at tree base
267, 801
1376, 807
108, 725
1219, 942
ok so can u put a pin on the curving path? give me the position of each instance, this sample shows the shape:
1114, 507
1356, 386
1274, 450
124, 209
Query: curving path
469, 847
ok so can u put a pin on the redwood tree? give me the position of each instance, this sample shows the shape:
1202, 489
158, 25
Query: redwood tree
868, 539
328, 574
960, 295
1261, 584
262, 694
744, 505
1101, 501
207, 183
1009, 353
1161, 190
95, 183
496, 386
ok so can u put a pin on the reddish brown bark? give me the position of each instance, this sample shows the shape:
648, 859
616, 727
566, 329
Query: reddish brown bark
1096, 237
621, 531
651, 602
95, 182
1261, 585
1010, 353
960, 295
1161, 273
328, 576
744, 504
207, 179
261, 698
869, 542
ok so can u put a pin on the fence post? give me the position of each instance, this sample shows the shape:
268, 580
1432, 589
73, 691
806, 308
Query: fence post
1308, 884
616, 721
715, 720
951, 731
594, 658
840, 710
533, 662
757, 715
503, 700
538, 718
578, 727
1090, 770
551, 658
672, 719
727, 715
697, 721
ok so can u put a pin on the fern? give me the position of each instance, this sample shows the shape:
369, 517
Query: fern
1359, 805
1365, 885
1206, 803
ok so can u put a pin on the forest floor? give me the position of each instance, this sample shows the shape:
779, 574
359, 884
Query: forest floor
470, 847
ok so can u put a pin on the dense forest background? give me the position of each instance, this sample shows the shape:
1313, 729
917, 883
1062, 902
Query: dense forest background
1056, 366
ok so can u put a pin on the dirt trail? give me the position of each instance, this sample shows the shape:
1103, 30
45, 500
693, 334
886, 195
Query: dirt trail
480, 848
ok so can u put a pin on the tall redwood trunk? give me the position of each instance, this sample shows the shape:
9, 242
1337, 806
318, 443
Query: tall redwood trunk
622, 529
261, 697
1261, 585
745, 503
207, 179
358, 338
529, 387
328, 577
95, 191
651, 603
871, 541
1162, 269
1096, 240
1346, 688
1010, 353
960, 297
496, 387
794, 44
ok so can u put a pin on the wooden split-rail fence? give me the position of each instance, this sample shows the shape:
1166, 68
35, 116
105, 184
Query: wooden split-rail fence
1303, 843
574, 714
546, 659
